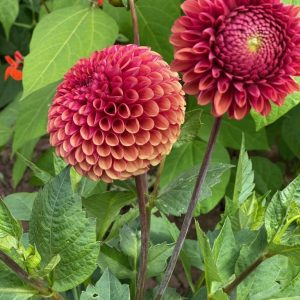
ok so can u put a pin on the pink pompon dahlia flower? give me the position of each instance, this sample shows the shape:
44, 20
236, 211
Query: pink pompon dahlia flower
117, 113
238, 54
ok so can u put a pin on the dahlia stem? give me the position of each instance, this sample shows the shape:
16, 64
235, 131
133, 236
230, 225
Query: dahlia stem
36, 283
135, 23
142, 188
189, 215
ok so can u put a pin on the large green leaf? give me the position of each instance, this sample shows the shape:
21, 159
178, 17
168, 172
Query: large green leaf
267, 175
60, 39
153, 33
106, 207
189, 155
8, 117
108, 287
290, 133
231, 133
10, 229
268, 280
32, 119
20, 205
130, 242
8, 13
277, 111
59, 226
175, 197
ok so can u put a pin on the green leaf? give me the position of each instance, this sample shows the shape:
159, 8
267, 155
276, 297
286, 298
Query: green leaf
42, 175
83, 31
129, 242
107, 288
282, 215
191, 127
225, 251
211, 269
189, 155
174, 198
231, 132
20, 205
20, 166
11, 287
277, 111
10, 229
59, 226
268, 280
8, 117
8, 13
244, 182
157, 258
106, 207
289, 131
121, 221
153, 33
267, 175
32, 119
115, 261
252, 212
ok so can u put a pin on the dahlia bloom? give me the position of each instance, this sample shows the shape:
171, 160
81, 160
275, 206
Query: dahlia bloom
116, 113
238, 54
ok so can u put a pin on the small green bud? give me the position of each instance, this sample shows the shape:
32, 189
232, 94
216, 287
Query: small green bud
32, 258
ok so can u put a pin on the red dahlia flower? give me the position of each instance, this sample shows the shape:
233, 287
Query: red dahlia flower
238, 54
117, 113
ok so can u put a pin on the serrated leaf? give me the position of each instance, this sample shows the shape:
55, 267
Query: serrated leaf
108, 287
282, 213
106, 207
20, 205
59, 41
8, 13
225, 251
175, 197
32, 118
157, 258
59, 226
10, 229
211, 269
244, 182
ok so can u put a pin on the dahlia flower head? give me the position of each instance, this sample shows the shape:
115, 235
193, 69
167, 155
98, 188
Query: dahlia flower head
238, 54
116, 113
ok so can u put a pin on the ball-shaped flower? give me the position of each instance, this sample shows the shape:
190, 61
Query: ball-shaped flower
238, 54
116, 113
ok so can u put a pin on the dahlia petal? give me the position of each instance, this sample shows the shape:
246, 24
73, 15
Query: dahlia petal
221, 103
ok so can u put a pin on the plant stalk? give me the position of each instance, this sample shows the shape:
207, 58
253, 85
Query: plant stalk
189, 215
36, 283
141, 185
135, 23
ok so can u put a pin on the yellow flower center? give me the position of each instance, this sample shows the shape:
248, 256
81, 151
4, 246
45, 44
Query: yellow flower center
254, 44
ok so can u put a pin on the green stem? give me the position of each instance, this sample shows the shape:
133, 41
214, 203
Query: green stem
284, 229
75, 293
23, 25
200, 282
